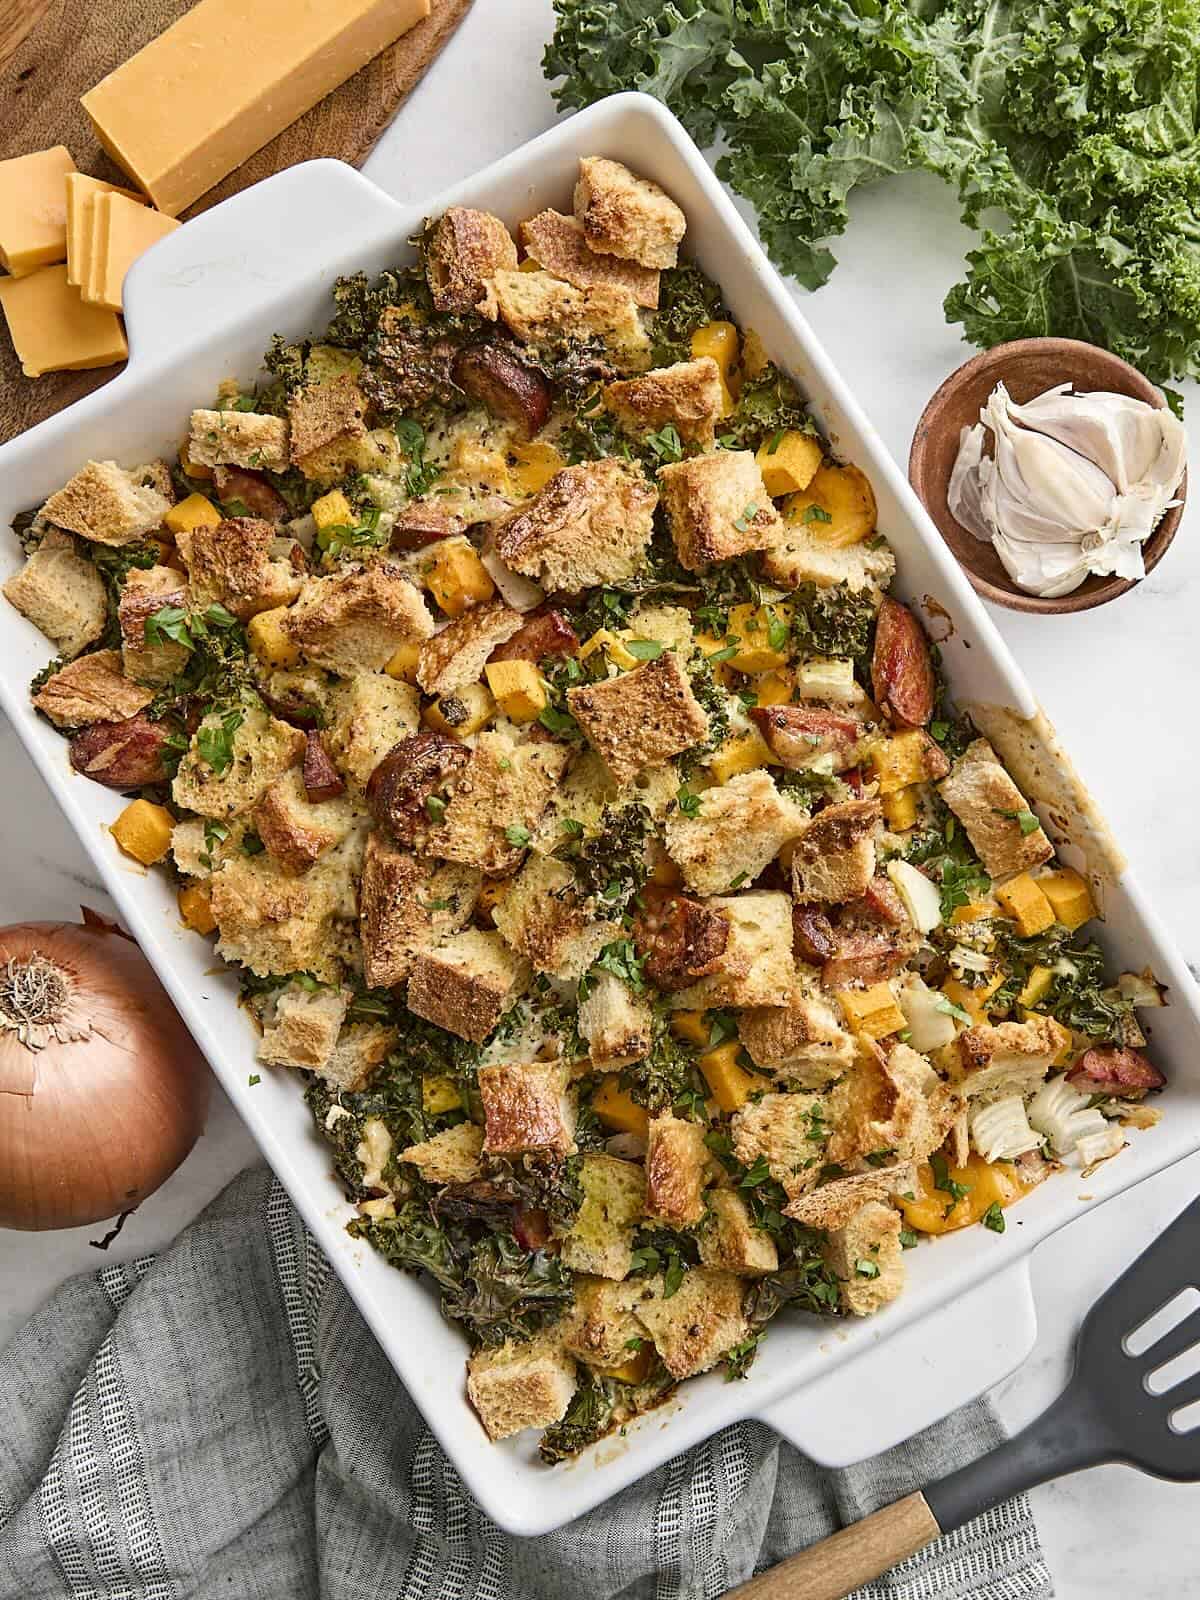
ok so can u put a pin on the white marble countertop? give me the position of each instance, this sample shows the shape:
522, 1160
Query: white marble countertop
1110, 1534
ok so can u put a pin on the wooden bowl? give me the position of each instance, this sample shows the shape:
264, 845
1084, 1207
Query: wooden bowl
1027, 367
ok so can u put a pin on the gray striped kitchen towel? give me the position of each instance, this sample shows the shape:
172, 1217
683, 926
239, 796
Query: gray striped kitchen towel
218, 1421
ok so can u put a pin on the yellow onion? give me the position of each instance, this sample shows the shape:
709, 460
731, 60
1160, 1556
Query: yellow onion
102, 1092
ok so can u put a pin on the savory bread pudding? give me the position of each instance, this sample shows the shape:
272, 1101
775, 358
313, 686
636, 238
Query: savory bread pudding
509, 678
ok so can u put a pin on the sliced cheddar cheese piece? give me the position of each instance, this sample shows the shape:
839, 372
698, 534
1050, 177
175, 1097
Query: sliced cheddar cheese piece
82, 189
52, 330
33, 210
225, 79
127, 230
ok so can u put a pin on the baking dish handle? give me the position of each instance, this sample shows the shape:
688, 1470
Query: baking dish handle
232, 259
912, 1378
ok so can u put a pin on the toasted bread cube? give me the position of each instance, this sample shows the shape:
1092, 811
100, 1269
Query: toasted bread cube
453, 1156
676, 1163
687, 396
601, 1238
590, 525
617, 1027
462, 713
407, 905
836, 1203
195, 511
801, 555
1069, 897
627, 216
834, 858
360, 1050
1007, 1058
497, 798
718, 507
268, 640
262, 749
91, 689
872, 1011
455, 576
368, 715
143, 831
466, 984
736, 831
525, 1107
235, 565
867, 1258
238, 439
789, 461
693, 1328
617, 1110
455, 655
990, 807
557, 243
728, 1081
61, 593
602, 1330
802, 1040
541, 309
836, 507
640, 719
788, 1131
519, 1386
518, 688
730, 1242
303, 1027
195, 907
353, 622
745, 752
276, 924
1025, 901
295, 830
462, 249
894, 1102
757, 967
547, 921
107, 505
320, 414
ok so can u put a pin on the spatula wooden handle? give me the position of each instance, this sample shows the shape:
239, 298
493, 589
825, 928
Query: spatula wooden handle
848, 1559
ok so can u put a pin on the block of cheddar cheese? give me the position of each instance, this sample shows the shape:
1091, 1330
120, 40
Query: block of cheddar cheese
82, 190
226, 78
33, 209
51, 328
126, 230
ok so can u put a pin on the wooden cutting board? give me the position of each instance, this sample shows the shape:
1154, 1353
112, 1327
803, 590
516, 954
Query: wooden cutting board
53, 51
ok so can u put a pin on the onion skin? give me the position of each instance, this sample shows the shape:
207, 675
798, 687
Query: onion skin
90, 1127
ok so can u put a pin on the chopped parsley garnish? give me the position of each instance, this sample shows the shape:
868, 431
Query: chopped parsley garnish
517, 835
815, 513
993, 1218
435, 807
644, 649
1025, 820
214, 744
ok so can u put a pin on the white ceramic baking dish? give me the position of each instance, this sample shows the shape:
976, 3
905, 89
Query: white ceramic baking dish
201, 306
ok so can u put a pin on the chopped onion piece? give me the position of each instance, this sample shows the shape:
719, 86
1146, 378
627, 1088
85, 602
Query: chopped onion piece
928, 1027
1061, 1112
1094, 1147
922, 899
1001, 1131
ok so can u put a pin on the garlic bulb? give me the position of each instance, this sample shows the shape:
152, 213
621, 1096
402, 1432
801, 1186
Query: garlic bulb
1060, 1112
1075, 484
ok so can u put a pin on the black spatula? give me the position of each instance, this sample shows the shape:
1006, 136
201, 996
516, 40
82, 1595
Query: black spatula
1121, 1405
